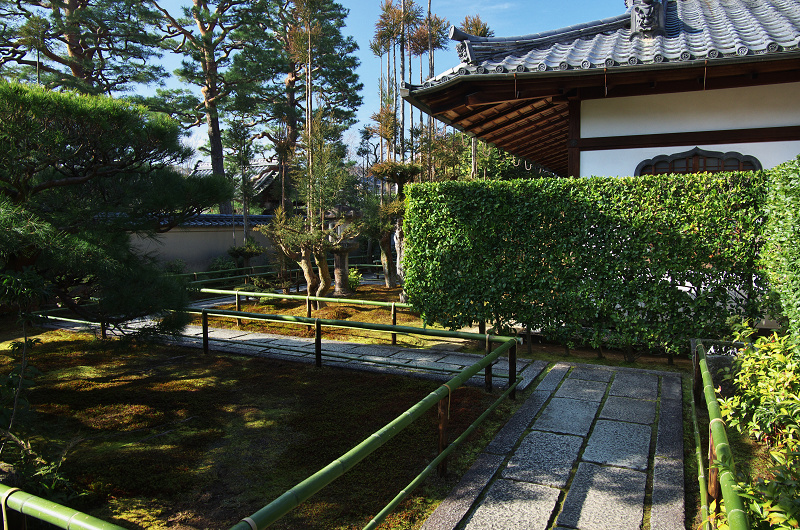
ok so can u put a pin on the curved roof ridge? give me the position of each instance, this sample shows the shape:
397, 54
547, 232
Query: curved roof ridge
596, 26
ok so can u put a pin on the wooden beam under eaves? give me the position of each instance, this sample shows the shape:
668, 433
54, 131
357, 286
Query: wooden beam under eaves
507, 95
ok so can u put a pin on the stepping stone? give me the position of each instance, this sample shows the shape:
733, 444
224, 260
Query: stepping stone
544, 458
567, 416
582, 389
620, 444
513, 505
604, 498
630, 410
635, 385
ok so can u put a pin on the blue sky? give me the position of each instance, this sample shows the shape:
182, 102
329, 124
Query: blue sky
506, 18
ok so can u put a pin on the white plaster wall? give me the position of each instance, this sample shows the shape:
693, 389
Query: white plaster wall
726, 109
623, 162
197, 246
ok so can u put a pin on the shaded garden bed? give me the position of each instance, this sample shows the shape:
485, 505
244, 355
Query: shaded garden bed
169, 438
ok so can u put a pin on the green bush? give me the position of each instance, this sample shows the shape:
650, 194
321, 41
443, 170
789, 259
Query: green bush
781, 255
766, 406
250, 249
647, 260
353, 279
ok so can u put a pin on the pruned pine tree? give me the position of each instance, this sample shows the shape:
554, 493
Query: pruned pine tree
306, 62
79, 177
92, 46
327, 189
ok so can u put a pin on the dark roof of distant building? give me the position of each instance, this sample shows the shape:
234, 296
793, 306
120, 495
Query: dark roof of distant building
264, 172
214, 220
692, 30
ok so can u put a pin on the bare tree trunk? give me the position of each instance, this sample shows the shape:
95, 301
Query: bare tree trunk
341, 284
321, 258
402, 79
389, 270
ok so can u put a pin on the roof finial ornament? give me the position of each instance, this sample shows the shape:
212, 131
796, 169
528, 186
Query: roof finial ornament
648, 17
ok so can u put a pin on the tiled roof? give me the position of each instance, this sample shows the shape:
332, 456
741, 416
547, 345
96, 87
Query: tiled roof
693, 30
265, 172
214, 220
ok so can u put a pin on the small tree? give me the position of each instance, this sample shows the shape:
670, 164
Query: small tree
399, 174
378, 223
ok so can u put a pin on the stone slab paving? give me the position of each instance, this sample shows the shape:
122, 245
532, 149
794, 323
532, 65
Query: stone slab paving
587, 450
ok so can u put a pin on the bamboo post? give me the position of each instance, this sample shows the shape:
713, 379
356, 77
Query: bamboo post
308, 308
444, 417
512, 370
238, 308
487, 372
529, 340
714, 488
697, 378
394, 323
205, 331
318, 343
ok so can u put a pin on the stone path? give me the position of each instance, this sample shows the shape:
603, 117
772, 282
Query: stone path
592, 448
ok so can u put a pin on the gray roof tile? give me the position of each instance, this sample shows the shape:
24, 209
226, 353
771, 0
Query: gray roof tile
695, 30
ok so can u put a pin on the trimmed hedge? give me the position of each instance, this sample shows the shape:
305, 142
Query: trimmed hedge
646, 260
781, 255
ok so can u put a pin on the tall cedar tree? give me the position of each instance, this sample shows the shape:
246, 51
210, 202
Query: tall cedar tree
81, 175
93, 46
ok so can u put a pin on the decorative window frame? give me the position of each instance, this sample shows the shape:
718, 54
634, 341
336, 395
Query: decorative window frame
703, 153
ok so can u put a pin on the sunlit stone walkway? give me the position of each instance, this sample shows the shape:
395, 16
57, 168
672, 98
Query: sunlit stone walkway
592, 448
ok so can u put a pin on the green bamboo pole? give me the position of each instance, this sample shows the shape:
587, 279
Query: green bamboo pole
389, 508
305, 489
734, 507
357, 325
303, 297
701, 471
50, 512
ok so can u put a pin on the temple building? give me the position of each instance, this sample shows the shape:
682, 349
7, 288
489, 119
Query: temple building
669, 86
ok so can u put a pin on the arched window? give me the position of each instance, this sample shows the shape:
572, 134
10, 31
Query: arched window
698, 161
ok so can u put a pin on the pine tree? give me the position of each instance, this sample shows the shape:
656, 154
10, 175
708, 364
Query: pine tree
81, 175
93, 46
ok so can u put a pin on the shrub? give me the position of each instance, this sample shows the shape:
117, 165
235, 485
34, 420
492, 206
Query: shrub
648, 260
249, 250
354, 279
781, 255
176, 266
221, 264
766, 376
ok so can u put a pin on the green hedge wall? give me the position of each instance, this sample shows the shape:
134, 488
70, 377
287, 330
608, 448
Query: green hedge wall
781, 254
645, 260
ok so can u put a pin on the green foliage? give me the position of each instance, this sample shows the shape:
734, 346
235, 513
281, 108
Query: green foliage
98, 46
354, 279
250, 249
15, 382
79, 175
222, 264
781, 254
176, 266
646, 260
774, 503
766, 406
